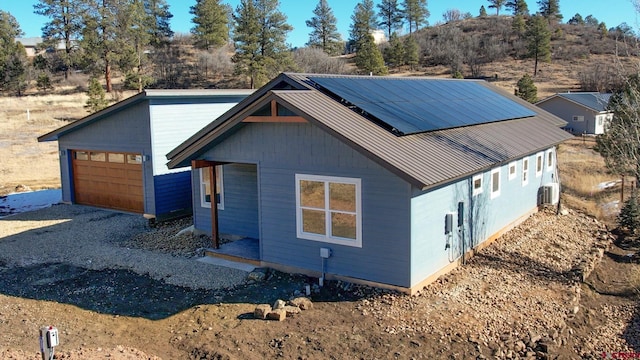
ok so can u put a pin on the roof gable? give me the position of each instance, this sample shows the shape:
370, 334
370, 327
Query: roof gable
593, 101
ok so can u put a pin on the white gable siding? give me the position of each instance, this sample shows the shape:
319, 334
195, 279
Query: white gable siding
173, 124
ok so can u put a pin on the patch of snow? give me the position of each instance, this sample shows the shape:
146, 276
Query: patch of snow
611, 208
16, 203
608, 184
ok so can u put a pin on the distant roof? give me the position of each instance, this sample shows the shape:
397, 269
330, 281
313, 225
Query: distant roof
30, 41
592, 100
145, 95
424, 159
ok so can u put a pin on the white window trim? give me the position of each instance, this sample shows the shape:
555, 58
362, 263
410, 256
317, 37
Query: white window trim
549, 157
525, 171
473, 182
327, 238
540, 156
513, 175
203, 202
495, 193
578, 118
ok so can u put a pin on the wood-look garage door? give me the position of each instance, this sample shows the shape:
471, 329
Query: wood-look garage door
108, 179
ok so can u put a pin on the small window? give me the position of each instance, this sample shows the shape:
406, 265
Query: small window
205, 188
134, 159
578, 118
329, 209
549, 160
539, 160
477, 184
599, 120
495, 183
98, 156
513, 170
116, 158
525, 171
82, 155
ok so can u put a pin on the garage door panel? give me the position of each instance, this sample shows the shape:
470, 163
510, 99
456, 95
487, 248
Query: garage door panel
112, 185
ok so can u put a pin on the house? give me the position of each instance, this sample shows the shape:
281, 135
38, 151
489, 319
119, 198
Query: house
584, 112
32, 45
378, 180
115, 158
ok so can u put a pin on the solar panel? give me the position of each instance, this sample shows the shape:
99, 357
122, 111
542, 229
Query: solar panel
410, 106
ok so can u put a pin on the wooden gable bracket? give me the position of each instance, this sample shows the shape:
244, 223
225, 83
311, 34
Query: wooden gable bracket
274, 118
199, 164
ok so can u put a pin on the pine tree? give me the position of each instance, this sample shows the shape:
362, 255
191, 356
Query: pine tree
15, 71
527, 90
415, 13
394, 54
518, 25
576, 20
391, 15
518, 7
12, 55
211, 24
64, 26
158, 18
483, 12
538, 41
97, 97
550, 9
369, 58
324, 33
629, 217
260, 38
411, 52
363, 22
496, 4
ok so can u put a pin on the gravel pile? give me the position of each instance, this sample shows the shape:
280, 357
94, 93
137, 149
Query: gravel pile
97, 239
166, 238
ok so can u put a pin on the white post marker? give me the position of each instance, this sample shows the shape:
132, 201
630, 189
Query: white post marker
48, 341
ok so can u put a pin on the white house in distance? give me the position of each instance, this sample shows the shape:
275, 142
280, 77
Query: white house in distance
584, 112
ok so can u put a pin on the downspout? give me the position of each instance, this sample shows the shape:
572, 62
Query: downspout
471, 221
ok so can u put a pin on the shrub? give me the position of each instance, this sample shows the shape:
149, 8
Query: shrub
629, 217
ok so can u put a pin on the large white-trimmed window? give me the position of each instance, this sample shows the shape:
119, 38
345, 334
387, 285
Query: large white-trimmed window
513, 170
495, 183
477, 184
205, 187
539, 161
549, 154
525, 171
328, 209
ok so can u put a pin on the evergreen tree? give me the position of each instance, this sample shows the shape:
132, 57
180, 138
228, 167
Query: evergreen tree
15, 71
211, 24
97, 97
538, 41
518, 25
369, 58
394, 54
260, 35
590, 20
12, 55
415, 13
483, 12
576, 20
391, 16
518, 7
527, 90
363, 22
411, 52
158, 18
496, 4
324, 33
602, 28
629, 217
550, 9
64, 26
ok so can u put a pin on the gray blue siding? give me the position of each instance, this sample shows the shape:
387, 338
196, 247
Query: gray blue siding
283, 150
173, 192
566, 110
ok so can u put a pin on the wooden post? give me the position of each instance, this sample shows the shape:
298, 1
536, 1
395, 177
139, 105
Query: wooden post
622, 192
215, 238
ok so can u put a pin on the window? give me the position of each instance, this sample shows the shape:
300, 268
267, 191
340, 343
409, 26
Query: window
539, 164
82, 155
205, 188
98, 156
495, 183
525, 171
116, 158
512, 170
134, 159
578, 118
549, 160
328, 209
477, 184
599, 120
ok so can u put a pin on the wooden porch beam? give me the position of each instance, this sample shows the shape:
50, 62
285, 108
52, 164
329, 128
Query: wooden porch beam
215, 236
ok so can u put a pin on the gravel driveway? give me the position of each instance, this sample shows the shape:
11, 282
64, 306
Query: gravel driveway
55, 253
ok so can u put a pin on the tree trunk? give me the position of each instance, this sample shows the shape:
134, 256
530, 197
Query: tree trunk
107, 76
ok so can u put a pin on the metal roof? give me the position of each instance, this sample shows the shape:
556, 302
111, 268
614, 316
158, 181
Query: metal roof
592, 100
145, 95
426, 159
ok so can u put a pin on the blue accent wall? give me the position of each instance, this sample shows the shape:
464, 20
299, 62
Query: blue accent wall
283, 150
172, 192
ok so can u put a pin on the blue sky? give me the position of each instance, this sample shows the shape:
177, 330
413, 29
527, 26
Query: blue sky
612, 12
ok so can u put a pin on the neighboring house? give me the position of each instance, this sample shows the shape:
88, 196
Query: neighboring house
584, 112
379, 180
33, 45
115, 158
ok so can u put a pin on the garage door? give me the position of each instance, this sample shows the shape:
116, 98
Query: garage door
108, 179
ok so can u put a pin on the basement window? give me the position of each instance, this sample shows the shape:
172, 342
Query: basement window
525, 171
328, 209
495, 183
205, 188
477, 184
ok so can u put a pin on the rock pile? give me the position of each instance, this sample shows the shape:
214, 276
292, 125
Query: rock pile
281, 309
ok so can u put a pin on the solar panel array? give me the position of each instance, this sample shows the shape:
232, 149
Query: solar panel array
410, 106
